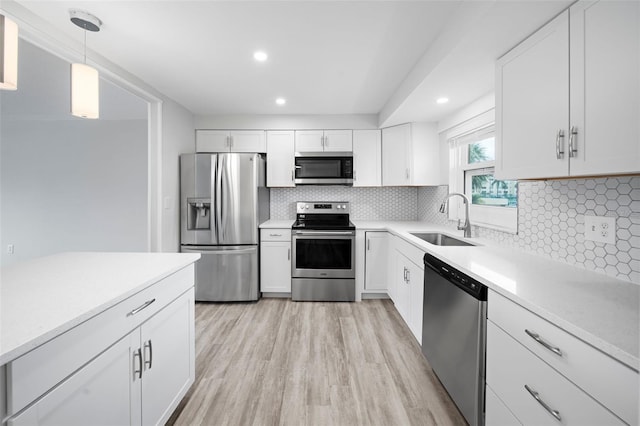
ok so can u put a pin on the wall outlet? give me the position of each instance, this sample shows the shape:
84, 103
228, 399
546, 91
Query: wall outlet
600, 228
10, 249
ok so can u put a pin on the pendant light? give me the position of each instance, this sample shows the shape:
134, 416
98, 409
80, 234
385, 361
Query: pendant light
8, 54
85, 82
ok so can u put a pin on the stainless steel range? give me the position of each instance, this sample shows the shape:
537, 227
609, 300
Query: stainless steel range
323, 246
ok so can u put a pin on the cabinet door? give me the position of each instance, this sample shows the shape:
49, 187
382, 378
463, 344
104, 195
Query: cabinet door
168, 354
248, 141
275, 266
605, 87
280, 158
415, 278
376, 254
81, 398
403, 291
532, 106
395, 153
367, 163
309, 141
338, 140
212, 141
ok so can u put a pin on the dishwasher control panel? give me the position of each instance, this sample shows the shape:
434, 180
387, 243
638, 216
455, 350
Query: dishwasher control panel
460, 279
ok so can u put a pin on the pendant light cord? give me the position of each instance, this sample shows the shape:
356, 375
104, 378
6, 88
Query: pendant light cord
85, 45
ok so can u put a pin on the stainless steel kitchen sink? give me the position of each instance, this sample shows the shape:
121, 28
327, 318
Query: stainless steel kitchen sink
439, 239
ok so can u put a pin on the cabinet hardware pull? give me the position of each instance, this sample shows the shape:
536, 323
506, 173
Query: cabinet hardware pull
559, 151
275, 235
227, 142
573, 150
289, 254
536, 396
141, 307
535, 336
137, 354
368, 245
326, 141
408, 276
148, 363
230, 141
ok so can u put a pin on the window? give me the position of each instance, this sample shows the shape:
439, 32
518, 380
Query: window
494, 203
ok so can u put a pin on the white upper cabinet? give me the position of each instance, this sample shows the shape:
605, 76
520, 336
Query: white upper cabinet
367, 163
230, 141
567, 100
605, 83
324, 140
280, 158
410, 155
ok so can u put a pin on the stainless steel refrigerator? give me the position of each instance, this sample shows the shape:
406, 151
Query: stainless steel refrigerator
223, 199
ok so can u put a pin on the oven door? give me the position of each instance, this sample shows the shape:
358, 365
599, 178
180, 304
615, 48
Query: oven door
323, 254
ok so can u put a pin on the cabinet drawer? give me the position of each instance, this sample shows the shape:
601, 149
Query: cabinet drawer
607, 380
411, 252
37, 371
496, 413
511, 367
283, 234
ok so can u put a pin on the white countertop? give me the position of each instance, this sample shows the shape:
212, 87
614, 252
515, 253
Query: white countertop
273, 224
42, 298
602, 311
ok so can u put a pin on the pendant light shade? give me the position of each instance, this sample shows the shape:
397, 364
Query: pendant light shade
85, 91
85, 81
8, 54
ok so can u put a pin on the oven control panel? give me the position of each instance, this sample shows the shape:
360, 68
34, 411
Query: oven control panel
322, 207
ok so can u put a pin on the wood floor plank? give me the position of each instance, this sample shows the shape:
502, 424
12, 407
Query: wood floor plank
278, 362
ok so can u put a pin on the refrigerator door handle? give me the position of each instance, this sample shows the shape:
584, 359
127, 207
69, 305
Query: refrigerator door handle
219, 198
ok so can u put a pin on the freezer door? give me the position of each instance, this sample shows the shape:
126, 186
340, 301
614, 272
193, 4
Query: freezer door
225, 274
237, 198
197, 183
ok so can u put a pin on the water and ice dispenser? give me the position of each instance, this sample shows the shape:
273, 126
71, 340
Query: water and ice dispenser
198, 213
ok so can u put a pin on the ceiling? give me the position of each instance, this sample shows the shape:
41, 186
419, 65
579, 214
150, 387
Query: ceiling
391, 58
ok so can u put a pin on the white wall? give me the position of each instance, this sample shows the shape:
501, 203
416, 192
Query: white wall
178, 137
73, 185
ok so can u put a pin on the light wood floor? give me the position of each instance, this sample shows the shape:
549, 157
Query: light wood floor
310, 363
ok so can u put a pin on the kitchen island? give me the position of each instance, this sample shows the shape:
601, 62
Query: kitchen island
80, 329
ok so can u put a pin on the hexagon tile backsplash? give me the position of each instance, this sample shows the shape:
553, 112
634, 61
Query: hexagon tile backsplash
550, 216
551, 222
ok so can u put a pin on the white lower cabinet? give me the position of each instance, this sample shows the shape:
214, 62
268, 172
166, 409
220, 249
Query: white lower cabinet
497, 414
376, 254
275, 260
409, 286
83, 396
138, 380
544, 375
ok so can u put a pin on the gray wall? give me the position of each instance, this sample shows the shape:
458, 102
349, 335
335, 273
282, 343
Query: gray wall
68, 184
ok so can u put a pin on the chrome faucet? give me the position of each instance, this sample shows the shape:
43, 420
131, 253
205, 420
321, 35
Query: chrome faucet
467, 225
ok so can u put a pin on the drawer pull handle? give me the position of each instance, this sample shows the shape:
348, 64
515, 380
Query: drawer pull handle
536, 396
141, 307
275, 235
537, 338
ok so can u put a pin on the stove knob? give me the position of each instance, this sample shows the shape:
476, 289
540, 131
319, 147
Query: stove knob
338, 206
344, 206
306, 206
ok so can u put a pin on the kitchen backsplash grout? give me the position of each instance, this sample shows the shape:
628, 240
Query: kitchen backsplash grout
550, 217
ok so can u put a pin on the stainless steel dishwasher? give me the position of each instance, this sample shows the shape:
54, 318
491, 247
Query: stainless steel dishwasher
454, 325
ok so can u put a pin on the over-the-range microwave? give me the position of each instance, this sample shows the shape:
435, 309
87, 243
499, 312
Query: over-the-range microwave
324, 168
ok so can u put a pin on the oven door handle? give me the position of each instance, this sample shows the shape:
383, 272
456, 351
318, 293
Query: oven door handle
349, 233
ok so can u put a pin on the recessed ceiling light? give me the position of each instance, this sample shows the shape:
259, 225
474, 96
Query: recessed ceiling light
260, 56
281, 101
442, 100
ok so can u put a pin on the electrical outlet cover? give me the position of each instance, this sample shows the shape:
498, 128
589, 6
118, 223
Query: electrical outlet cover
600, 228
